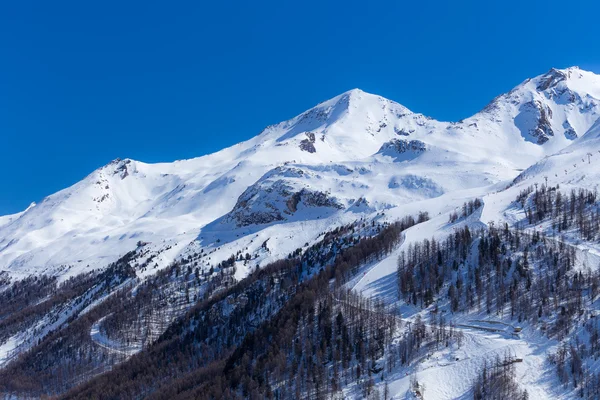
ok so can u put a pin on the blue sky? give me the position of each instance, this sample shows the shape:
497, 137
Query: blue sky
82, 83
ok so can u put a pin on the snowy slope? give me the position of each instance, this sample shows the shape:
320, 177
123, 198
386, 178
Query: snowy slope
577, 164
573, 167
552, 109
7, 219
354, 155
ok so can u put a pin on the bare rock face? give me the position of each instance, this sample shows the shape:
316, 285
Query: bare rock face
257, 205
551, 79
544, 130
271, 201
403, 132
120, 167
553, 86
534, 122
570, 133
313, 198
308, 144
402, 149
402, 146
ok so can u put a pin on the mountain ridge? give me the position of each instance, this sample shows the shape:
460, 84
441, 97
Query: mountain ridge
125, 201
472, 239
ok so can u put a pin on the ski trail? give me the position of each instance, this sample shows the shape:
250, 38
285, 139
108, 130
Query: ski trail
106, 343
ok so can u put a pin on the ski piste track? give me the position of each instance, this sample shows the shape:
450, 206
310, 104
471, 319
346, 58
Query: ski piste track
448, 373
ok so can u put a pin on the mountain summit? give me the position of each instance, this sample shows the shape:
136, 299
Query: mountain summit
552, 109
344, 149
467, 250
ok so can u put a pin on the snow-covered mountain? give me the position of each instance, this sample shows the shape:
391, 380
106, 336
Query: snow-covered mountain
171, 239
575, 165
352, 155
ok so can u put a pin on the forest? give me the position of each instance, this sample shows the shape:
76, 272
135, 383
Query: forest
521, 275
291, 329
210, 313
576, 211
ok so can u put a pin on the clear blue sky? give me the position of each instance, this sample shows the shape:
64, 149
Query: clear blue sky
82, 83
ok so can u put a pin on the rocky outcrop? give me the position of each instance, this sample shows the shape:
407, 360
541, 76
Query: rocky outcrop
308, 144
119, 167
543, 131
403, 132
570, 132
402, 150
534, 122
268, 201
551, 79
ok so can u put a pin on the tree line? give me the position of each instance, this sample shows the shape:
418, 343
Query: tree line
288, 322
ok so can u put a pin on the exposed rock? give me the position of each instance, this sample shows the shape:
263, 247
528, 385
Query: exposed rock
551, 79
403, 132
318, 199
402, 149
569, 131
120, 167
292, 203
308, 143
101, 198
536, 121
544, 130
268, 202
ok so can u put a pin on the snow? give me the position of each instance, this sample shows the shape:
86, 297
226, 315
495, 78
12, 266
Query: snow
572, 167
103, 341
7, 350
27, 338
357, 155
449, 373
103, 216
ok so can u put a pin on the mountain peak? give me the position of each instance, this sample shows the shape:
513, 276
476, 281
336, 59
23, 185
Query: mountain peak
345, 99
551, 79
572, 68
118, 166
574, 77
353, 113
357, 99
355, 92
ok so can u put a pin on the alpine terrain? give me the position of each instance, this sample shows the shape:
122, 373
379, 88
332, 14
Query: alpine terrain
357, 250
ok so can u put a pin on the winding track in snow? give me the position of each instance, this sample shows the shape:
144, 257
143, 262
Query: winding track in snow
109, 344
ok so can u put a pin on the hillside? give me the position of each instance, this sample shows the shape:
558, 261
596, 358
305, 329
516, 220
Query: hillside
355, 204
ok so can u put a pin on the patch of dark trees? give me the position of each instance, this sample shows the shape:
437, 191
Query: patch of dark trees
251, 338
514, 274
468, 208
576, 210
55, 362
497, 380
